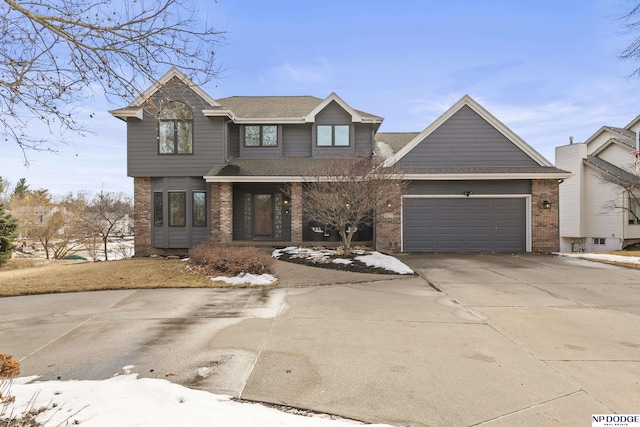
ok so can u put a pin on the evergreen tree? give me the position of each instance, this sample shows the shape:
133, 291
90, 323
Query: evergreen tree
22, 189
8, 227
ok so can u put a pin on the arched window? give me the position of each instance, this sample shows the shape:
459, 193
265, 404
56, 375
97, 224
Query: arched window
175, 129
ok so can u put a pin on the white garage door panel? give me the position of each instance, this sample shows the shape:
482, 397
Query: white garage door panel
464, 224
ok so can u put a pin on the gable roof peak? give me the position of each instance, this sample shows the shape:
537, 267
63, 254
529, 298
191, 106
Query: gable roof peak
634, 125
468, 101
355, 116
166, 78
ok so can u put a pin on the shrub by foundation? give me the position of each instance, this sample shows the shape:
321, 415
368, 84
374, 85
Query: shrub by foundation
214, 259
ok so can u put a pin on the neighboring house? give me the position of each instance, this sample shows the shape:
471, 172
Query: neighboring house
234, 169
596, 215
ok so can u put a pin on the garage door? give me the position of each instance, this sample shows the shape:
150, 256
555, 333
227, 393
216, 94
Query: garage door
464, 224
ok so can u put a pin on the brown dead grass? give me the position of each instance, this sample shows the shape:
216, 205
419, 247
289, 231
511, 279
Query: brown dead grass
38, 276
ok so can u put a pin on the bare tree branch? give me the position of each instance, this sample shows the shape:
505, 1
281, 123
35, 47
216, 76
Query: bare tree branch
55, 54
629, 183
632, 52
344, 193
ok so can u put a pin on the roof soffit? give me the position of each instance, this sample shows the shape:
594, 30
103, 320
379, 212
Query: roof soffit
466, 100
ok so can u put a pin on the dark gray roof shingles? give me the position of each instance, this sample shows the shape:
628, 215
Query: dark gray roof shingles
272, 107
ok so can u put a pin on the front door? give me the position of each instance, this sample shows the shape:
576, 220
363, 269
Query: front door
262, 215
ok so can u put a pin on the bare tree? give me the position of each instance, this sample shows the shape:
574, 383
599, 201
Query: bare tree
105, 214
37, 219
630, 199
632, 52
344, 193
54, 54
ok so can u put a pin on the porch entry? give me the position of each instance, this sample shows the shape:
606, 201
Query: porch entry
260, 212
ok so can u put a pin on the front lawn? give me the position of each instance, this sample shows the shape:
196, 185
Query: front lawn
28, 276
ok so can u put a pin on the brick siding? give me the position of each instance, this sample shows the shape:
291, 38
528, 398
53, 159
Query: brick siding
388, 222
545, 235
226, 212
142, 216
296, 212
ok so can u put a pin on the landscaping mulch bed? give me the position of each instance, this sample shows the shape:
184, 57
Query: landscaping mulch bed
326, 260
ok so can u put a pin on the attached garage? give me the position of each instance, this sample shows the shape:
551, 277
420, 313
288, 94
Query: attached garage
469, 183
491, 224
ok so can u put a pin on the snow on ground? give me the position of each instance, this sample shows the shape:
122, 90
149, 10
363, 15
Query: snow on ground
602, 257
247, 279
370, 258
127, 401
376, 259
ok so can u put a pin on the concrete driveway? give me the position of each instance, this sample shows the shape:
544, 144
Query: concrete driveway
510, 340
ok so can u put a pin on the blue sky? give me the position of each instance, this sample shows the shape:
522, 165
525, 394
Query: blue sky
547, 69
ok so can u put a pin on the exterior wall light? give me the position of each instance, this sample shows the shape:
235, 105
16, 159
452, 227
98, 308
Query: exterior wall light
546, 204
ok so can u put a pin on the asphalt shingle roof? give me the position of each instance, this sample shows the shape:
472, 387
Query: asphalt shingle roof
304, 166
280, 166
609, 168
270, 107
396, 140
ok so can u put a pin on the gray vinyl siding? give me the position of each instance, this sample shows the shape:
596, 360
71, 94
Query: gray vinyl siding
476, 187
143, 158
333, 114
178, 237
466, 140
233, 140
464, 224
296, 140
363, 139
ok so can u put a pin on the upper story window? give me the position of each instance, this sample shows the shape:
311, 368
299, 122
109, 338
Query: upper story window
261, 136
333, 136
175, 129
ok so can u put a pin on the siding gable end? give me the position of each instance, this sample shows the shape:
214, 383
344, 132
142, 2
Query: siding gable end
466, 140
467, 135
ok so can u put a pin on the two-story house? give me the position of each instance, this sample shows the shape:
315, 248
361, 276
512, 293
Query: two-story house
597, 214
218, 168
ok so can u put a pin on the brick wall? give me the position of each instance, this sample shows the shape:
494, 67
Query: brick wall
226, 212
142, 216
296, 212
545, 236
214, 211
388, 221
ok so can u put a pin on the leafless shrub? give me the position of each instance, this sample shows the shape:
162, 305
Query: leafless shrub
213, 259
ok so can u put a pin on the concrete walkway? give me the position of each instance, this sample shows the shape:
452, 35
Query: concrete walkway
512, 340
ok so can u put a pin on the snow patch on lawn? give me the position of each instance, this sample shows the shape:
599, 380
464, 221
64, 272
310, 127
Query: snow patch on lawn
603, 257
247, 279
127, 401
